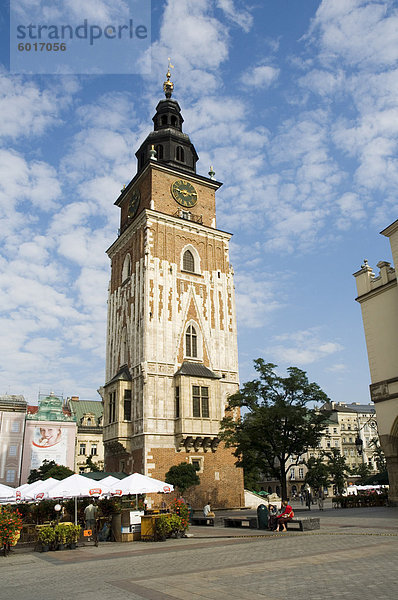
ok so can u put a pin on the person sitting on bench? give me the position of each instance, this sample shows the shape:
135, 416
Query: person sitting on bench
207, 512
285, 516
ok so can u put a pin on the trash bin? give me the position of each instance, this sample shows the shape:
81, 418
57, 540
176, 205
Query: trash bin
262, 516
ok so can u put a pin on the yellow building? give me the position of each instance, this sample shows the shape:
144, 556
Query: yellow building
378, 297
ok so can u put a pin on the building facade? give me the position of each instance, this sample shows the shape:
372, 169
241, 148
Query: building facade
50, 434
89, 436
12, 428
172, 358
378, 298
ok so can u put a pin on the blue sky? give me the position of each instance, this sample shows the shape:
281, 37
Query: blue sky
294, 103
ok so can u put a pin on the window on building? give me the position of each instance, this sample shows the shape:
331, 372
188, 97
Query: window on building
336, 443
191, 342
349, 427
126, 271
10, 476
328, 444
173, 121
292, 475
350, 440
345, 452
164, 119
342, 426
343, 440
197, 462
12, 450
159, 151
334, 429
188, 262
177, 403
112, 407
93, 450
82, 449
352, 452
180, 154
89, 422
200, 400
127, 405
15, 427
301, 473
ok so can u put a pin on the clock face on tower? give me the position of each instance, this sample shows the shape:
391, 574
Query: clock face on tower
134, 203
184, 193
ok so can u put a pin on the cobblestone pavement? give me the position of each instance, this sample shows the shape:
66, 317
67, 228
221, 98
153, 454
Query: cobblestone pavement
354, 556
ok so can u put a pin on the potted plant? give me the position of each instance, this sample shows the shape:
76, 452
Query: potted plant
61, 534
73, 535
10, 527
46, 537
176, 526
162, 528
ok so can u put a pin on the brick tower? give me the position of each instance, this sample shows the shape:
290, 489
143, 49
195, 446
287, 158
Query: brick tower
172, 358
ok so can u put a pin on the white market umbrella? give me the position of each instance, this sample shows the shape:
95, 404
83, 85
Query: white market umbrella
109, 481
140, 484
6, 492
18, 494
76, 486
41, 491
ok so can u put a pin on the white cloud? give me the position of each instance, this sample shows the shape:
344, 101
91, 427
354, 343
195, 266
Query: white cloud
242, 17
260, 77
301, 347
256, 298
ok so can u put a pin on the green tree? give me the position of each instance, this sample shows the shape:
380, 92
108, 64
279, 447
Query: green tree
338, 469
91, 465
317, 475
182, 476
48, 469
378, 455
276, 422
363, 472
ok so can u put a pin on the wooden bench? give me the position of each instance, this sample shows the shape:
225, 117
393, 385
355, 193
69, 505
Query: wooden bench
209, 521
250, 522
307, 524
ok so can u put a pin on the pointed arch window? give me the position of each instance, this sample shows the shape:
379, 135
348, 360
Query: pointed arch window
126, 271
180, 154
188, 262
191, 342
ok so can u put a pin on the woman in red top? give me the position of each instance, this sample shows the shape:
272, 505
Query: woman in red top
285, 516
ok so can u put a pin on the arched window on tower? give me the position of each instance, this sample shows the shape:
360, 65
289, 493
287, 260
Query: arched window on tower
191, 342
180, 153
164, 119
159, 151
126, 272
188, 262
173, 121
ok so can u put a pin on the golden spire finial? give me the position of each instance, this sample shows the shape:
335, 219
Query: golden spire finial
168, 85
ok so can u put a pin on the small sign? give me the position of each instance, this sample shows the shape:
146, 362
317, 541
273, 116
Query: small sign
166, 488
88, 533
95, 492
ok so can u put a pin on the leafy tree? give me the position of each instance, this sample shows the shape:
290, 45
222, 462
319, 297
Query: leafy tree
48, 469
182, 476
338, 469
92, 465
277, 423
363, 472
317, 475
378, 455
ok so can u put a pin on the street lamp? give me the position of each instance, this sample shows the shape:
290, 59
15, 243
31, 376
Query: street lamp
359, 444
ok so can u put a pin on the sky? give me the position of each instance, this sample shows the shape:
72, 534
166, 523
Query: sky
293, 102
